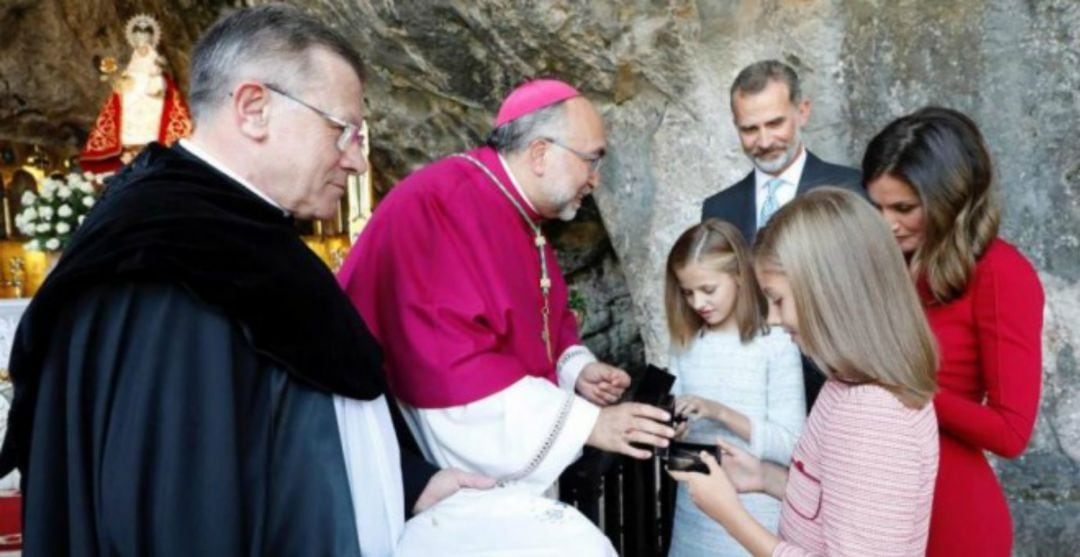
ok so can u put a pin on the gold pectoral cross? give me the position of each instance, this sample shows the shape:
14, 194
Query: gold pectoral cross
539, 241
545, 290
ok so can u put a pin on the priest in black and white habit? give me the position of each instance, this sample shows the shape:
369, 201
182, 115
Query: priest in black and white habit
190, 380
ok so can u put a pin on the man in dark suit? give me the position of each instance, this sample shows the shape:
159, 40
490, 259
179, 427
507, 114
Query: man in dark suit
769, 112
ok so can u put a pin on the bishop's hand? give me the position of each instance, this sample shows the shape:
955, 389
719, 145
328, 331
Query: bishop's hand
631, 422
602, 384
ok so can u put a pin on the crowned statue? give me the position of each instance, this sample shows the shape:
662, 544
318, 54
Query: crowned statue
145, 105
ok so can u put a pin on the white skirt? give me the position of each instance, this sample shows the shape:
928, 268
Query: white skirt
502, 521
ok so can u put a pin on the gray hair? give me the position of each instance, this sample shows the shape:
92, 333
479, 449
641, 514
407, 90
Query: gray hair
272, 41
516, 135
755, 77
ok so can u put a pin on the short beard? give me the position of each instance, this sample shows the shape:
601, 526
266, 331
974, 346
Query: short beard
774, 166
569, 208
568, 212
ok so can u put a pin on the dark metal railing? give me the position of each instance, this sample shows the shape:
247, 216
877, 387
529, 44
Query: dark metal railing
632, 501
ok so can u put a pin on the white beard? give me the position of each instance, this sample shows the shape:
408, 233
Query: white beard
569, 211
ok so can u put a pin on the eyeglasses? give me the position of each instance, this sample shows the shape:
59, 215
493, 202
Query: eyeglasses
350, 133
593, 160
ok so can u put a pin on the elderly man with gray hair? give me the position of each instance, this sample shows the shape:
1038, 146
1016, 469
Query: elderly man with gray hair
191, 380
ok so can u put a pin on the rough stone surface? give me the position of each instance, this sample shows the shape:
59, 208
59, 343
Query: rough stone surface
659, 71
589, 264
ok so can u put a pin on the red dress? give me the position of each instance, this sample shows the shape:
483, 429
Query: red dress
990, 342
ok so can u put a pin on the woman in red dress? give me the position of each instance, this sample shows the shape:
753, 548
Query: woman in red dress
930, 175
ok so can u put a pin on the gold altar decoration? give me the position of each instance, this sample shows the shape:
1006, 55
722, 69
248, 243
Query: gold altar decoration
360, 199
23, 169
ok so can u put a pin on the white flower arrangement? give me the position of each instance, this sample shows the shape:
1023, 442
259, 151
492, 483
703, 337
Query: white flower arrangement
51, 217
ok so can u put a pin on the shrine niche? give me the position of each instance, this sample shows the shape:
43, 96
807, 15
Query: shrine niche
144, 103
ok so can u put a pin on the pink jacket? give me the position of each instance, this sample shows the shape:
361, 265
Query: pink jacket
862, 476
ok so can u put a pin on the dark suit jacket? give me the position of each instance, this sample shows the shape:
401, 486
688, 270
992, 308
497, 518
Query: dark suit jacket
738, 206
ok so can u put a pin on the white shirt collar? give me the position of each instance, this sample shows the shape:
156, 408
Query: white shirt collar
791, 176
514, 181
208, 159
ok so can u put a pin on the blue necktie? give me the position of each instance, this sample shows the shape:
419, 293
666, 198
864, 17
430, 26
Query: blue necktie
771, 204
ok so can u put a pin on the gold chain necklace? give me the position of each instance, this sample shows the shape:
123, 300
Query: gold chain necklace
539, 241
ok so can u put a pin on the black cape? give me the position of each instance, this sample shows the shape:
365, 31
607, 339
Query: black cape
174, 379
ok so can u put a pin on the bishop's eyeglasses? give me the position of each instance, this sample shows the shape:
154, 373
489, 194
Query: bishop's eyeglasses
593, 160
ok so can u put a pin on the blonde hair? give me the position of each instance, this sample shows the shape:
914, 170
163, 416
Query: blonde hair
860, 319
717, 246
940, 153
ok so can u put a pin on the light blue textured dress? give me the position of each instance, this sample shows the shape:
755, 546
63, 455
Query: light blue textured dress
761, 379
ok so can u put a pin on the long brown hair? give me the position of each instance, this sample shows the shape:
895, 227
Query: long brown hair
717, 246
940, 153
859, 316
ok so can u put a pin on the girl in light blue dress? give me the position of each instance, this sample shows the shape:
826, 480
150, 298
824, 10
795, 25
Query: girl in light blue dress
736, 378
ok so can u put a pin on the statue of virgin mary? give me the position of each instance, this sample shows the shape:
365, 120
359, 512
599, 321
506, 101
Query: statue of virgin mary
145, 105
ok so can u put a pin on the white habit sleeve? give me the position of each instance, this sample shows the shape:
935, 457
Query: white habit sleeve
528, 433
373, 466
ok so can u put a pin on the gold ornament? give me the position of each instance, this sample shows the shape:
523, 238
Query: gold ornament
108, 65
